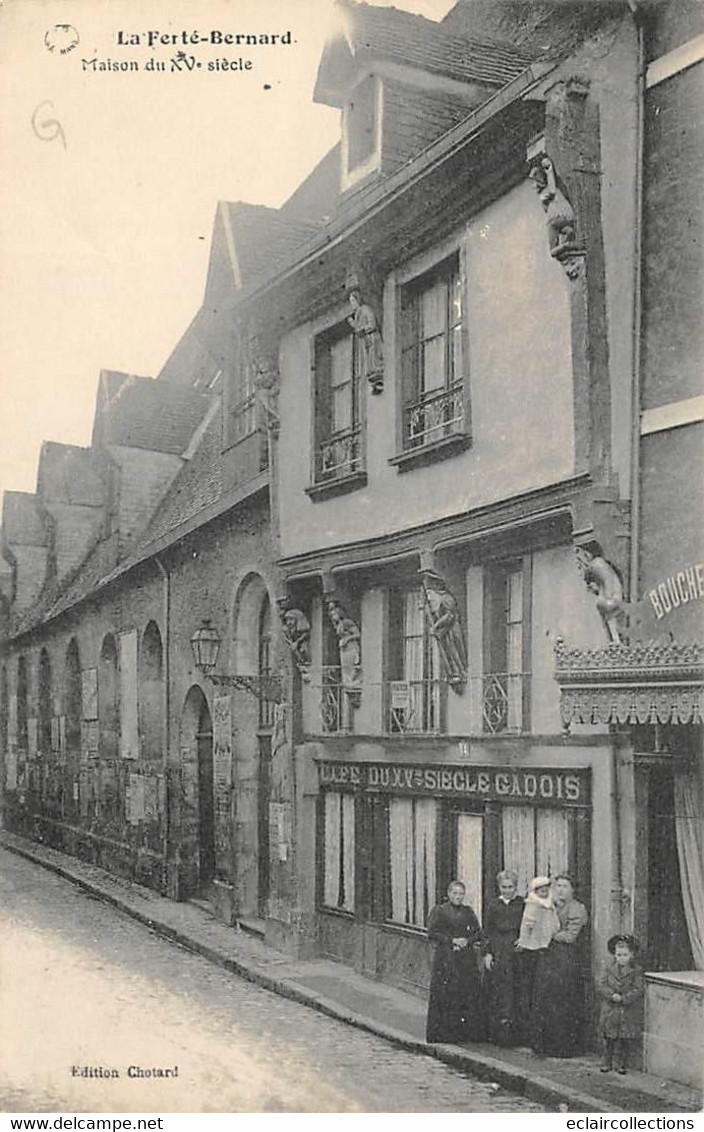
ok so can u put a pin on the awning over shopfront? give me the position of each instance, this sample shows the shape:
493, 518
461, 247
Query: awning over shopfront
639, 683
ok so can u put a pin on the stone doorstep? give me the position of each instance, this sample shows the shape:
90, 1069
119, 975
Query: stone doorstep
542, 1080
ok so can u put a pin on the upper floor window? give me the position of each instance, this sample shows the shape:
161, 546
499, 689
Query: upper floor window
434, 402
360, 131
506, 644
338, 446
243, 411
415, 693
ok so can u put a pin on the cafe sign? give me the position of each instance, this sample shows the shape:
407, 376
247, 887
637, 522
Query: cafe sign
485, 783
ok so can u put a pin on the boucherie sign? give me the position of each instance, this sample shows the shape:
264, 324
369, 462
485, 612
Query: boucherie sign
488, 783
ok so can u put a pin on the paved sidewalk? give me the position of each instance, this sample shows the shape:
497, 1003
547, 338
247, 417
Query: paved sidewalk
575, 1085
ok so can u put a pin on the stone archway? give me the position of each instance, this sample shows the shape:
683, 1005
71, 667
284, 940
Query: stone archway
197, 810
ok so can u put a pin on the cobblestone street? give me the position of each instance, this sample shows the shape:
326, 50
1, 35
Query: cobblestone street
83, 985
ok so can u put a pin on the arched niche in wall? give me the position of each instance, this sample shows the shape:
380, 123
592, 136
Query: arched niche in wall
73, 705
22, 705
151, 693
197, 816
44, 704
109, 698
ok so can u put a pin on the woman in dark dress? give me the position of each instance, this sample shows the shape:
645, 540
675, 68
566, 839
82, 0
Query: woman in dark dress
455, 1011
557, 1015
502, 924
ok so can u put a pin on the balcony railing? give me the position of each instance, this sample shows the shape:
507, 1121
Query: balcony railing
434, 417
492, 704
502, 702
341, 455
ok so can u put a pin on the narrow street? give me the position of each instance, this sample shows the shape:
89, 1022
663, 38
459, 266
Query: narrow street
82, 985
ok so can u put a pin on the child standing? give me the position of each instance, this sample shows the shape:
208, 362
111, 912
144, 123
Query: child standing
621, 991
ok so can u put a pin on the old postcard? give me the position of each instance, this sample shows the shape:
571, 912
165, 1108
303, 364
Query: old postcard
351, 561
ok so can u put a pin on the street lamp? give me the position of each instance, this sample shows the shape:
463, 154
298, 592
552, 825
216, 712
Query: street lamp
205, 645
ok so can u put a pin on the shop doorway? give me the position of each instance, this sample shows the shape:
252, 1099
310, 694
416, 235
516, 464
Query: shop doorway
263, 795
668, 936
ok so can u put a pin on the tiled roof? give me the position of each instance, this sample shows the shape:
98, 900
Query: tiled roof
317, 197
386, 33
262, 236
69, 474
144, 413
22, 522
197, 486
198, 355
543, 29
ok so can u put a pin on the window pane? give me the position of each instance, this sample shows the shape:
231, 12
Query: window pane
518, 828
341, 361
412, 853
552, 842
342, 407
469, 858
339, 851
434, 364
457, 362
433, 310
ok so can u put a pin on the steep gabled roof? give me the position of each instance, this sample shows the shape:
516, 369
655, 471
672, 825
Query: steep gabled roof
139, 412
22, 522
69, 474
364, 33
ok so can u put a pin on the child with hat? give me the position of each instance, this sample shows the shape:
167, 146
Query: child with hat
621, 991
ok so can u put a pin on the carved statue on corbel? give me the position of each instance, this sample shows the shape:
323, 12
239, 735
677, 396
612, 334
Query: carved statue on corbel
559, 214
349, 639
367, 334
443, 618
266, 387
296, 630
604, 580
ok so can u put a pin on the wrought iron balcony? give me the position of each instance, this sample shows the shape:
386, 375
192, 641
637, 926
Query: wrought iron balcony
434, 417
494, 705
341, 455
502, 702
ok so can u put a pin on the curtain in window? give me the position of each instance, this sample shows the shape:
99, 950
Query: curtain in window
332, 850
469, 858
456, 326
425, 863
339, 878
552, 842
348, 851
401, 858
412, 844
341, 384
689, 829
514, 648
413, 656
518, 828
433, 311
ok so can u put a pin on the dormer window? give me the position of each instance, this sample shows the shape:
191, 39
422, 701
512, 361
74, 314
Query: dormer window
361, 131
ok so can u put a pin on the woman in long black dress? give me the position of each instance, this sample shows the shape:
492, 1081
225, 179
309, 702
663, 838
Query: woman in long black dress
502, 924
455, 1011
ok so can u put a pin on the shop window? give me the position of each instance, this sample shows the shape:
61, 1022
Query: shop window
538, 842
44, 703
434, 401
506, 648
338, 453
339, 851
415, 692
412, 859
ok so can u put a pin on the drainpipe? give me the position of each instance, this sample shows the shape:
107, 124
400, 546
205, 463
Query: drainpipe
634, 572
166, 617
